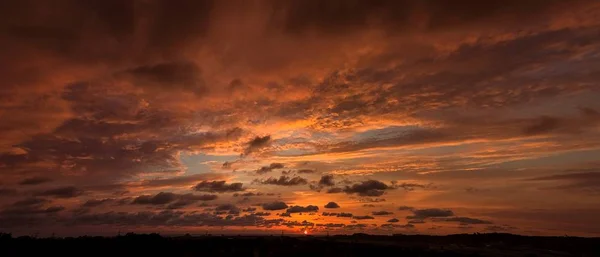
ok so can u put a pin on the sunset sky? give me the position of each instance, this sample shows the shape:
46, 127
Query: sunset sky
338, 116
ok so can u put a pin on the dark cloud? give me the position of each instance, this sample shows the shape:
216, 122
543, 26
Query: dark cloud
394, 220
34, 181
218, 187
464, 220
283, 181
331, 225
184, 76
247, 194
334, 190
61, 192
96, 202
575, 181
274, 206
367, 188
229, 208
30, 202
397, 16
340, 215
365, 217
169, 218
300, 209
180, 180
410, 186
249, 209
381, 213
271, 167
160, 198
332, 205
371, 200
306, 171
326, 181
7, 192
405, 208
177, 200
391, 226
430, 213
256, 144
260, 213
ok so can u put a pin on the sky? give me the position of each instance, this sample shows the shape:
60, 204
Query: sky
284, 116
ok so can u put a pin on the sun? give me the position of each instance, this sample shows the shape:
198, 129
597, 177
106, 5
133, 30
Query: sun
305, 232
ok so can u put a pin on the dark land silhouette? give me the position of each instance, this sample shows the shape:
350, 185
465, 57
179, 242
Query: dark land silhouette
494, 244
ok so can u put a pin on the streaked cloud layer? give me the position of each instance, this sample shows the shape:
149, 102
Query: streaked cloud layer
406, 116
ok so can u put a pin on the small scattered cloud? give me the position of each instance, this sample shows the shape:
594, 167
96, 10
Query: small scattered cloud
381, 213
274, 206
430, 213
300, 209
218, 187
367, 188
271, 167
365, 217
332, 205
283, 181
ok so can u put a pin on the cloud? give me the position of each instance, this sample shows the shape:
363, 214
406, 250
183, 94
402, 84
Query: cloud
273, 206
184, 76
260, 213
300, 209
168, 218
7, 192
271, 167
405, 208
334, 190
391, 226
230, 208
177, 200
464, 220
30, 202
430, 213
326, 181
34, 181
367, 188
332, 205
160, 198
393, 220
96, 202
365, 217
344, 215
180, 180
283, 181
61, 192
381, 213
218, 187
256, 144
306, 171
575, 181
247, 194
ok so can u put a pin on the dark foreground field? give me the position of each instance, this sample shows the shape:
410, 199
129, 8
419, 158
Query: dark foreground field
355, 245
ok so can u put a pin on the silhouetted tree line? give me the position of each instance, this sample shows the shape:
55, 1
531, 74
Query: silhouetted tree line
131, 244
